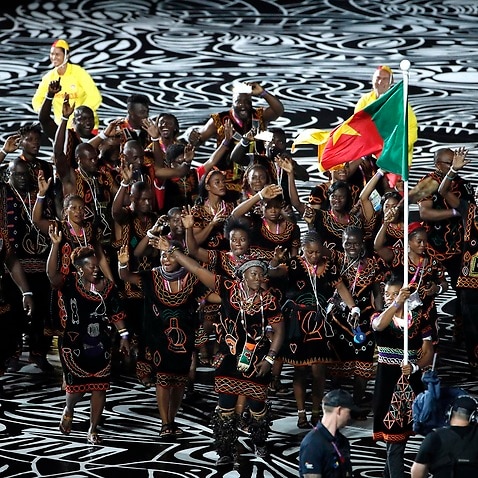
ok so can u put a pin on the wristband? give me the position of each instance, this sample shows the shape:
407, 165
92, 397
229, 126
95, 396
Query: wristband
263, 93
454, 212
395, 304
122, 266
440, 290
245, 142
379, 172
3, 151
355, 310
49, 98
40, 196
27, 293
64, 118
226, 143
155, 139
269, 359
102, 135
124, 335
151, 235
449, 177
124, 185
415, 368
172, 249
260, 196
452, 170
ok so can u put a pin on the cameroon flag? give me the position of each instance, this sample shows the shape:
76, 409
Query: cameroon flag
379, 129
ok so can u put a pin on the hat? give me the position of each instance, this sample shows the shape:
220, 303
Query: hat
60, 43
340, 398
465, 402
248, 263
385, 68
413, 226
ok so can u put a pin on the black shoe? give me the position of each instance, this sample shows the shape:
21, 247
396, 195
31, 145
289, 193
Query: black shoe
225, 460
41, 362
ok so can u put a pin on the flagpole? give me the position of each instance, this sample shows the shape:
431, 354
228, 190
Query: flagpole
405, 67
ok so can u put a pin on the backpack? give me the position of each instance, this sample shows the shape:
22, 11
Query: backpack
431, 406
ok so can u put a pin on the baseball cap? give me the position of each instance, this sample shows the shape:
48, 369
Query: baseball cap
340, 398
465, 402
60, 43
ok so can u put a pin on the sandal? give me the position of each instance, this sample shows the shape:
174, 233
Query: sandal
175, 430
166, 430
65, 423
94, 439
302, 421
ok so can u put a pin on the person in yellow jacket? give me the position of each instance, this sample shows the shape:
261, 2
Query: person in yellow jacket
74, 80
382, 80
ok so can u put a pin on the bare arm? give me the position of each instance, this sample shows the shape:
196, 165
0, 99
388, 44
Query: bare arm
44, 115
367, 206
123, 262
275, 108
383, 320
37, 213
286, 164
54, 275
19, 277
419, 470
268, 192
194, 249
204, 275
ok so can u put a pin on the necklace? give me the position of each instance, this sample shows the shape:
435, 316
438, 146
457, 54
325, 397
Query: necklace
247, 306
221, 207
266, 224
78, 237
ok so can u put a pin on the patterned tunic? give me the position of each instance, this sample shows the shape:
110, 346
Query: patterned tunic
356, 358
446, 237
203, 216
388, 424
169, 325
308, 329
331, 230
244, 339
85, 349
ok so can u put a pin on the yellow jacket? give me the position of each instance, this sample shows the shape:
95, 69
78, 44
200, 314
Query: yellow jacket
78, 83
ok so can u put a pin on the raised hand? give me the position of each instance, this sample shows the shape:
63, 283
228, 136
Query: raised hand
187, 218
12, 143
123, 254
43, 184
459, 159
54, 233
67, 109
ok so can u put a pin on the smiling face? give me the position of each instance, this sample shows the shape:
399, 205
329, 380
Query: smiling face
57, 56
257, 179
168, 127
338, 200
381, 81
353, 245
242, 105
90, 269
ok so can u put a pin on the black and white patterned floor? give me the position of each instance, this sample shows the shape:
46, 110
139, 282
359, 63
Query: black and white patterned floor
318, 58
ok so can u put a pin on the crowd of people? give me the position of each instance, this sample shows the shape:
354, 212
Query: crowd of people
125, 244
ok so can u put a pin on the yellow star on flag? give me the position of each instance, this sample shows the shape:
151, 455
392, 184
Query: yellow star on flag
344, 128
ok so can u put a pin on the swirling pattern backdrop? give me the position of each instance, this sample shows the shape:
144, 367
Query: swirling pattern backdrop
318, 58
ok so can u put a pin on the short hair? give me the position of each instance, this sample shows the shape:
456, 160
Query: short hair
138, 98
395, 280
353, 231
80, 254
174, 210
170, 115
441, 151
341, 185
310, 237
237, 223
174, 150
138, 187
32, 127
